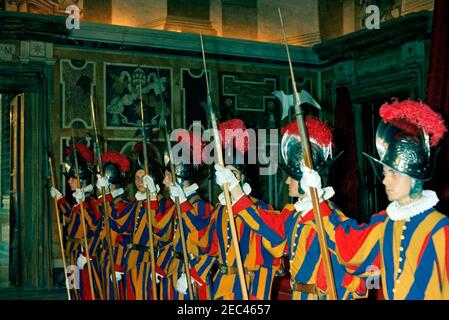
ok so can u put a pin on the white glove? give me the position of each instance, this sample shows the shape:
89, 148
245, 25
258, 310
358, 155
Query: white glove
148, 183
81, 261
79, 195
102, 182
310, 179
181, 285
176, 191
55, 193
118, 276
158, 277
225, 175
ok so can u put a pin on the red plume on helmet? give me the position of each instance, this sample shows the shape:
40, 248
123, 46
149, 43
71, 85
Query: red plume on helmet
83, 151
233, 133
85, 161
404, 138
118, 159
411, 116
318, 131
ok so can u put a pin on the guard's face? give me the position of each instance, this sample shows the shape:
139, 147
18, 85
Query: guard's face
293, 187
167, 179
235, 171
138, 180
73, 183
397, 185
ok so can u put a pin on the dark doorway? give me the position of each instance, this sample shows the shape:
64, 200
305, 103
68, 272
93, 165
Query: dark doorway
25, 239
373, 190
11, 106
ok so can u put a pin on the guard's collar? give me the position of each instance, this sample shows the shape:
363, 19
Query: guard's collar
190, 189
117, 193
304, 205
88, 189
140, 196
428, 200
246, 189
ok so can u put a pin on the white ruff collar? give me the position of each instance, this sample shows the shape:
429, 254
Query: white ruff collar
140, 196
117, 193
304, 205
88, 189
190, 189
246, 189
397, 213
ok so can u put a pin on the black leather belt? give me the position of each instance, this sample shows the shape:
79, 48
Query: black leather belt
306, 288
233, 270
180, 256
139, 247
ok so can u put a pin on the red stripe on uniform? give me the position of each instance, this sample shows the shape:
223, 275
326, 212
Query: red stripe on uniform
423, 248
350, 243
310, 238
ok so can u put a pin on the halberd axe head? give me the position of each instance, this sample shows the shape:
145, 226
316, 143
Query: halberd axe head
288, 101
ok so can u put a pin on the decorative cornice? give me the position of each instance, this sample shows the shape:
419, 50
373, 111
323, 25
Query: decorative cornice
392, 33
20, 26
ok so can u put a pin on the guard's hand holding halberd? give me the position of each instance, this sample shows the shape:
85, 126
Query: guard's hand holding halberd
177, 192
149, 183
102, 182
225, 175
81, 261
118, 276
310, 179
159, 276
181, 284
55, 193
79, 195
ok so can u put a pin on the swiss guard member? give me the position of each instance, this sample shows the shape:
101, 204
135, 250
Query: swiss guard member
259, 264
116, 167
134, 220
194, 213
75, 244
296, 227
408, 242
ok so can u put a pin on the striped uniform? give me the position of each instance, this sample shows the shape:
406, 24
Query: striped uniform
75, 243
194, 214
120, 242
295, 235
412, 255
257, 260
137, 260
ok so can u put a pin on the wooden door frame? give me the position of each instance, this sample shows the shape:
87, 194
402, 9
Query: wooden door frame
35, 80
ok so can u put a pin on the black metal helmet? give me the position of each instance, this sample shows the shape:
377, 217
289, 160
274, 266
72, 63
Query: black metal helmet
115, 166
186, 156
404, 138
84, 157
321, 144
